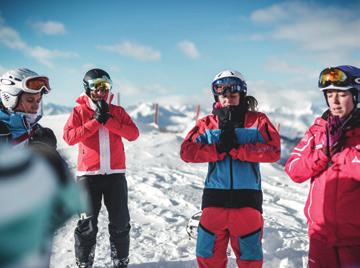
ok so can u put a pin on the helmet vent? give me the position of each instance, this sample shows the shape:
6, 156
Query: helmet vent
6, 96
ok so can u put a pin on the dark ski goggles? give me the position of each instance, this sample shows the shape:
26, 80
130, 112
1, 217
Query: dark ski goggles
336, 77
228, 84
103, 83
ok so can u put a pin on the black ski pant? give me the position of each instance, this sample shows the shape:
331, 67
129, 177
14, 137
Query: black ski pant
113, 188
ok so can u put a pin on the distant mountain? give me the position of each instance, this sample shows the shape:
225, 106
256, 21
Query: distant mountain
54, 109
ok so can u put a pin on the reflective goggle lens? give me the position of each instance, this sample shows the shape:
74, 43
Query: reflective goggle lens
38, 84
333, 76
100, 83
228, 84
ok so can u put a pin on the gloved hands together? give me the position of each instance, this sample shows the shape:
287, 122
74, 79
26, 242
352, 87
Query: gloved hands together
333, 142
227, 140
102, 111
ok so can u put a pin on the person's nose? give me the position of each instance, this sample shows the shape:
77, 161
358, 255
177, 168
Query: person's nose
35, 106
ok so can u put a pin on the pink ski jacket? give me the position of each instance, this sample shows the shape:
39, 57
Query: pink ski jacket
333, 205
101, 150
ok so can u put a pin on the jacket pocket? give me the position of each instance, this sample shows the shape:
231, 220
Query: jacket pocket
250, 246
205, 242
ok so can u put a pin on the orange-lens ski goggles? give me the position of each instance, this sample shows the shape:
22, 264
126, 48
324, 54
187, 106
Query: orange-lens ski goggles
36, 84
334, 76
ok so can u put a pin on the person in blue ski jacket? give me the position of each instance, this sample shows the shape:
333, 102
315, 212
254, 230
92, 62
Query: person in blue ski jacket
21, 92
234, 139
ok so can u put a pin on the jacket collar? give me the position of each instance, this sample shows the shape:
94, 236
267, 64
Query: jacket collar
84, 99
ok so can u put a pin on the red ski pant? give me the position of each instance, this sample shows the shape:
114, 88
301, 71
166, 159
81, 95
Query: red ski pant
323, 256
243, 226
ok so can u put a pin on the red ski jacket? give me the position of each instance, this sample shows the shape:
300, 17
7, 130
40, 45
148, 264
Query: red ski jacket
101, 150
333, 205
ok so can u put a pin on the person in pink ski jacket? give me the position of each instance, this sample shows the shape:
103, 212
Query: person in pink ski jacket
99, 127
329, 156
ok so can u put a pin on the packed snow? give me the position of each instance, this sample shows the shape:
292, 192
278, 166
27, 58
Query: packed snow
164, 192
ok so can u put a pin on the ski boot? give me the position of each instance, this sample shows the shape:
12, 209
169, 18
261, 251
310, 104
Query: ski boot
87, 263
118, 262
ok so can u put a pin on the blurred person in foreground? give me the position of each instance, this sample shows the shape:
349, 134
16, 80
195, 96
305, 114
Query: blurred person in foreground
98, 127
233, 140
329, 156
21, 93
37, 196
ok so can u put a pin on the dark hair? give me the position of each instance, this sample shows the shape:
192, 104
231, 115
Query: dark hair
251, 103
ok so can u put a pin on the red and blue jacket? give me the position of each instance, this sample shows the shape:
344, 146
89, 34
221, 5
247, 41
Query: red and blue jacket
233, 179
332, 208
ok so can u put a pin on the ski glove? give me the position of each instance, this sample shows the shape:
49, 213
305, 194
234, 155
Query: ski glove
43, 135
227, 141
102, 111
334, 135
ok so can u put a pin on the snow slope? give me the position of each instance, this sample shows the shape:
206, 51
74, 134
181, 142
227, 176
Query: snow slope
164, 192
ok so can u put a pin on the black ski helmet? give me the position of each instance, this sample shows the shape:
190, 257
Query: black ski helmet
93, 74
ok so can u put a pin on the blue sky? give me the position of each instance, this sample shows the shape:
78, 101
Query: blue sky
169, 51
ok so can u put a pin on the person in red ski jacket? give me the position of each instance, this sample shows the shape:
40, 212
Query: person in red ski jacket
98, 127
329, 156
233, 140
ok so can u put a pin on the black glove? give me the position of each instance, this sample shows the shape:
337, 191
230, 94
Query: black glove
43, 135
227, 140
102, 111
231, 116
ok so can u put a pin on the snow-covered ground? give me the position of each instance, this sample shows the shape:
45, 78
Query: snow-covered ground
164, 192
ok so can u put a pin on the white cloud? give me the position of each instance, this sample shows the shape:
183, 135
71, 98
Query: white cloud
296, 97
45, 56
11, 39
134, 50
279, 65
49, 27
269, 15
314, 28
144, 92
189, 49
158, 93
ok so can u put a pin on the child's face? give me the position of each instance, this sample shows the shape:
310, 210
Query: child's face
341, 102
98, 94
29, 103
229, 99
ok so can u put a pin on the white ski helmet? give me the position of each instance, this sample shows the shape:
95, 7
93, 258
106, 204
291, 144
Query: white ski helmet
228, 80
193, 224
14, 82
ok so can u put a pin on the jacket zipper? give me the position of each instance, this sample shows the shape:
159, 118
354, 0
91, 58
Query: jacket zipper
231, 182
